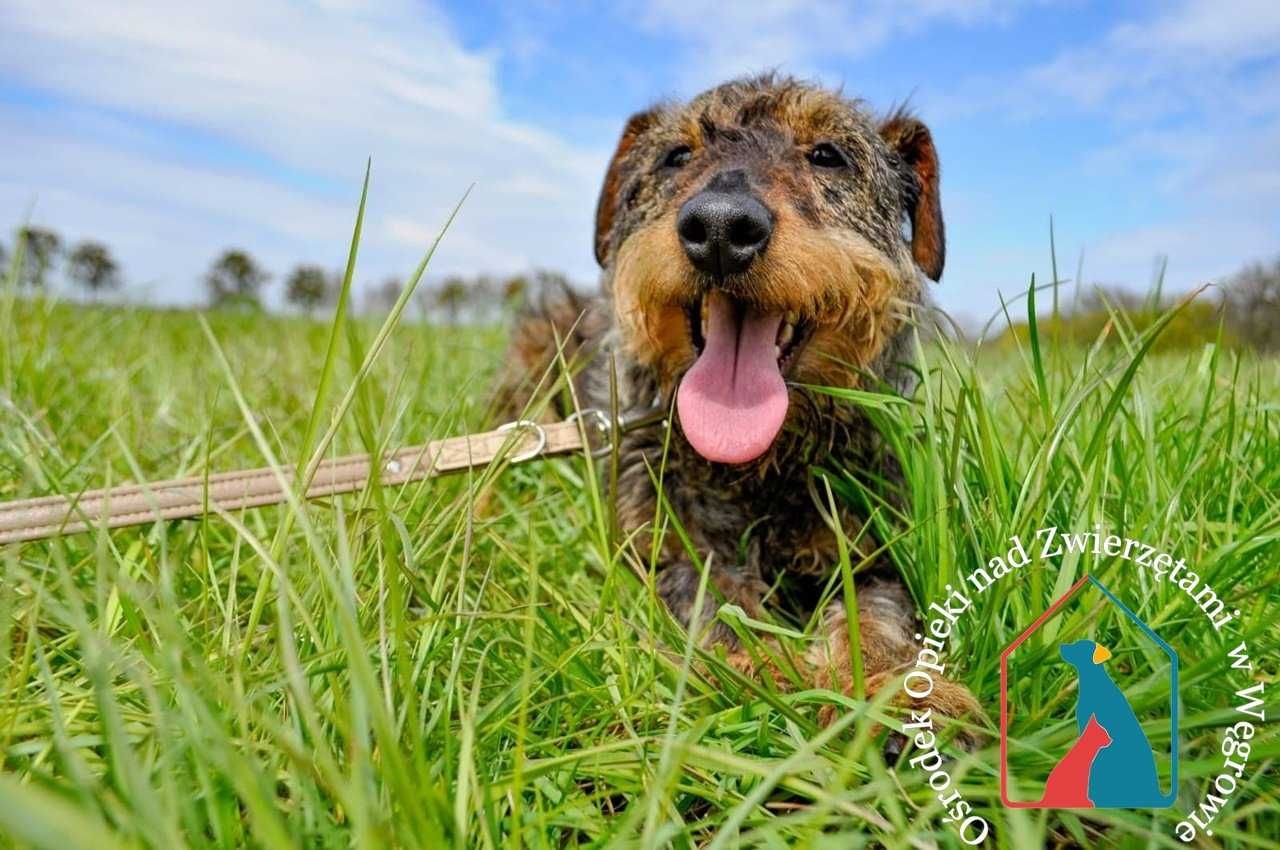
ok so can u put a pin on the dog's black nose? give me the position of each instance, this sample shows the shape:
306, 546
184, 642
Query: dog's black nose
723, 228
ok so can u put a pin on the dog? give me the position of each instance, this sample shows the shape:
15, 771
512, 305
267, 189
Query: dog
766, 235
1124, 773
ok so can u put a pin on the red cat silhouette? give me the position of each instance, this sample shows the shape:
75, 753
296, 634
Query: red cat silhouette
1068, 783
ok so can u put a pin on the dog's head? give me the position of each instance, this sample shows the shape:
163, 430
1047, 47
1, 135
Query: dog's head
769, 231
1084, 653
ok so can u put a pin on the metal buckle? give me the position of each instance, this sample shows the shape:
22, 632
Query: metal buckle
644, 417
527, 454
596, 419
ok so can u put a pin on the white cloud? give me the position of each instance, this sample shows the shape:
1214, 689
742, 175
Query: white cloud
1187, 55
798, 34
408, 232
1231, 30
300, 94
1223, 191
1191, 99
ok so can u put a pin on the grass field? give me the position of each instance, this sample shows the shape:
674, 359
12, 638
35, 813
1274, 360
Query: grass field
477, 662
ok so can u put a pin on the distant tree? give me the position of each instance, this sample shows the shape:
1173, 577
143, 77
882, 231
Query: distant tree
1253, 305
452, 296
383, 296
551, 284
484, 297
1102, 297
91, 265
546, 278
308, 287
4, 263
235, 279
424, 299
41, 248
514, 290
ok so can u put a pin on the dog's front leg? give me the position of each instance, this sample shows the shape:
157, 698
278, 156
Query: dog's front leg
741, 586
886, 628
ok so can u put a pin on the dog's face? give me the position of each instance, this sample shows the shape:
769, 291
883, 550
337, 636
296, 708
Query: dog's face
768, 232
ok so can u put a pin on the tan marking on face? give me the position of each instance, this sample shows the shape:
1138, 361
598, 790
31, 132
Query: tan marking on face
652, 287
832, 278
868, 287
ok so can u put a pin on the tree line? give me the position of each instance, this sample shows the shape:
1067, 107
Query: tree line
89, 264
1250, 299
1243, 312
237, 279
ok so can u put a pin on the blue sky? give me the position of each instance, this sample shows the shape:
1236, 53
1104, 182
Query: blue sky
1143, 128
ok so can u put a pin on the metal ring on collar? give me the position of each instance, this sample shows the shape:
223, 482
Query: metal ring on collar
596, 419
521, 424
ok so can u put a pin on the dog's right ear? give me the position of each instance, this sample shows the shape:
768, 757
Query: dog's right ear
607, 206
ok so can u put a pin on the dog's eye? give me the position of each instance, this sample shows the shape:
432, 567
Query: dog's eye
677, 157
827, 155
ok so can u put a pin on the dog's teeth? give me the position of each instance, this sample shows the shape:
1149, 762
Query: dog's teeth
791, 318
702, 311
785, 333
777, 352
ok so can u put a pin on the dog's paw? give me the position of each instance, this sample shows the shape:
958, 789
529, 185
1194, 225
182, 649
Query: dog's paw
886, 652
952, 711
955, 713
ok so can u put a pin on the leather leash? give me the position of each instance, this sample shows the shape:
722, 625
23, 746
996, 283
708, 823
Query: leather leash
138, 504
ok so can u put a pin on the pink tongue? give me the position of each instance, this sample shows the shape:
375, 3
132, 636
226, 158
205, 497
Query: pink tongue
733, 401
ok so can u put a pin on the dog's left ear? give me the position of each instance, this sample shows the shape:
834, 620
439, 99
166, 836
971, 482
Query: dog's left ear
607, 206
910, 139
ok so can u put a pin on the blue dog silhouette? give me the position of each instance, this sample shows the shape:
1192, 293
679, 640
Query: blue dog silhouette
1123, 774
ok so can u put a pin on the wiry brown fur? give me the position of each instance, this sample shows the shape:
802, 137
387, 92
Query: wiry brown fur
839, 258
557, 326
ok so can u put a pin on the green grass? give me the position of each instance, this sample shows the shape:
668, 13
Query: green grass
477, 661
